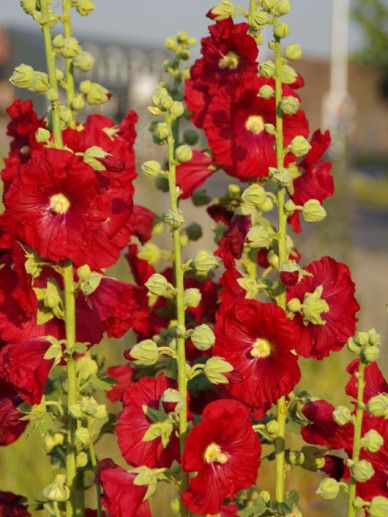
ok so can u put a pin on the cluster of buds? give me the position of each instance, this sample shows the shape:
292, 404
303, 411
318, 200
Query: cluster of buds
366, 345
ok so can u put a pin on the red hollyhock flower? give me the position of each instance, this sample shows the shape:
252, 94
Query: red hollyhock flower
133, 424
326, 325
230, 288
256, 339
11, 505
140, 268
123, 374
120, 306
22, 127
11, 423
315, 181
121, 498
220, 214
206, 309
192, 174
24, 366
229, 54
143, 223
230, 247
375, 382
234, 127
225, 452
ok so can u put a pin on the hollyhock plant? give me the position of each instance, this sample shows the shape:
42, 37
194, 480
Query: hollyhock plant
224, 451
325, 308
12, 424
258, 339
192, 174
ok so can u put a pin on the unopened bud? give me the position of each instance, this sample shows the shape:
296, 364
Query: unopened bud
84, 61
158, 285
78, 103
22, 76
53, 440
266, 92
313, 211
151, 168
289, 105
183, 153
342, 415
225, 9
42, 135
84, 7
162, 131
215, 368
300, 146
378, 507
272, 427
267, 69
283, 7
269, 4
362, 471
204, 262
192, 297
281, 30
29, 6
369, 354
57, 491
328, 488
288, 74
203, 337
378, 405
177, 109
372, 441
174, 218
200, 197
254, 194
86, 367
293, 51
194, 231
261, 18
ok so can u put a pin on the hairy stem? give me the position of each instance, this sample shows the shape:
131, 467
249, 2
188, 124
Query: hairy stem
282, 242
67, 29
51, 71
180, 308
357, 435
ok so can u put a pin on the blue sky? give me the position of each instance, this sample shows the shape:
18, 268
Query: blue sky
152, 20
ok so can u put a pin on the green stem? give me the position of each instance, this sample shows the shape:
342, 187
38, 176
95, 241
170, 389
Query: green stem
357, 435
93, 459
72, 506
57, 511
282, 242
51, 70
180, 308
66, 20
252, 10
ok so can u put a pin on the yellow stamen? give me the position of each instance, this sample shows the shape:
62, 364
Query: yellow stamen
230, 60
214, 454
255, 124
59, 203
261, 348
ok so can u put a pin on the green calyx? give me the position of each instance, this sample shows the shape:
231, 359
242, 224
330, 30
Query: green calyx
312, 308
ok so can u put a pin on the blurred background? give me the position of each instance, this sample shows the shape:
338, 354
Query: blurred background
345, 66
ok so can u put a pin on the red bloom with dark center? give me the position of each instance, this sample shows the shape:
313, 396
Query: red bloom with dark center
257, 340
11, 505
143, 223
192, 174
375, 382
315, 181
11, 423
123, 374
133, 423
24, 366
328, 316
230, 247
229, 54
120, 306
225, 452
235, 130
121, 497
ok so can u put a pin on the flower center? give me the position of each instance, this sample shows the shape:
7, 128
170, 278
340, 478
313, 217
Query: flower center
214, 454
261, 348
313, 307
255, 124
59, 203
230, 60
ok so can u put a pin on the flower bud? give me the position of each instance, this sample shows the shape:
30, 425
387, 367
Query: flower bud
203, 337
192, 297
177, 109
254, 194
328, 488
158, 285
260, 236
267, 69
86, 367
183, 153
204, 262
378, 405
81, 459
83, 435
84, 7
171, 43
194, 231
289, 106
174, 218
162, 131
84, 61
272, 427
200, 197
362, 471
22, 76
69, 47
269, 4
290, 207
300, 146
293, 51
288, 74
261, 18
58, 41
190, 136
283, 7
281, 30
52, 440
57, 491
151, 168
294, 305
42, 135
97, 94
266, 92
369, 354
378, 507
313, 211
29, 6
342, 415
223, 10
372, 441
215, 368
78, 103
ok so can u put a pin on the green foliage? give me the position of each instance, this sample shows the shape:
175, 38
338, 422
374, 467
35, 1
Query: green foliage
372, 17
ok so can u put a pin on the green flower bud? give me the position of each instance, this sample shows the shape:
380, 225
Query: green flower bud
158, 285
267, 69
313, 211
328, 488
97, 94
300, 146
362, 471
85, 86
289, 106
78, 103
272, 427
204, 262
151, 168
29, 6
84, 61
177, 109
369, 354
69, 47
261, 18
89, 406
83, 435
281, 30
183, 153
254, 195
342, 415
296, 458
265, 496
174, 218
40, 83
171, 43
86, 367
200, 197
288, 74
42, 135
194, 231
81, 459
372, 441
378, 507
57, 491
89, 282
294, 305
161, 183
182, 37
260, 236
378, 405
266, 205
58, 41
283, 7
203, 337
192, 297
293, 51
374, 337
223, 10
215, 368
313, 307
52, 95
162, 131
22, 76
266, 92
145, 353
269, 4
190, 136
84, 7
52, 440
